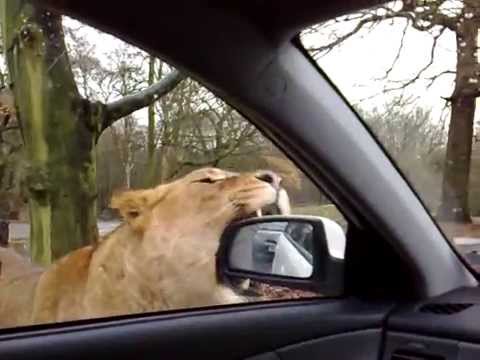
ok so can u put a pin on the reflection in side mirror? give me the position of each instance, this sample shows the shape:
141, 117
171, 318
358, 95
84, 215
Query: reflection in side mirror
276, 248
305, 252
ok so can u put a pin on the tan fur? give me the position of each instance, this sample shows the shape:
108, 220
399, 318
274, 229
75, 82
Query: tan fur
162, 257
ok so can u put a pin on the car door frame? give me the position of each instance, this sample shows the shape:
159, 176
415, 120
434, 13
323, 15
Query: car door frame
278, 88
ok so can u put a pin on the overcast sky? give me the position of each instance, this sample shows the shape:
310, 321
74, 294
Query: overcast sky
358, 64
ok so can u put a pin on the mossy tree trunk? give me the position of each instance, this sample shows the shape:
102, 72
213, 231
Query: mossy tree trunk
58, 132
60, 129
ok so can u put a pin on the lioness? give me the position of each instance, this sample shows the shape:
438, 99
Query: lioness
161, 257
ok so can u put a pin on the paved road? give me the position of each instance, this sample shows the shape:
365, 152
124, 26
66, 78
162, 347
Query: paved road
466, 244
22, 230
470, 247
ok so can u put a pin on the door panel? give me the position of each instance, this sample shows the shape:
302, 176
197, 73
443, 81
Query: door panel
365, 342
340, 328
357, 345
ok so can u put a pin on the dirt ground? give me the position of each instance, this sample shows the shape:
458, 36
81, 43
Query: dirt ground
12, 264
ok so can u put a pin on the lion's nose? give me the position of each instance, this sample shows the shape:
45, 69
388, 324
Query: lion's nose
269, 177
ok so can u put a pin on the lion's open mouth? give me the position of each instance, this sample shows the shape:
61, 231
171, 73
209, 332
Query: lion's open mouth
280, 207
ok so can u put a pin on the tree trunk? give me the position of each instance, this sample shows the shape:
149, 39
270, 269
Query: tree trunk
58, 132
455, 206
455, 187
60, 129
151, 153
128, 175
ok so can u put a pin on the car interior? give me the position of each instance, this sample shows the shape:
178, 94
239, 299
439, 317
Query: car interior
407, 294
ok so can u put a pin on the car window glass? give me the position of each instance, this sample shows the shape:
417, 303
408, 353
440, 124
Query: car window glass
411, 71
108, 158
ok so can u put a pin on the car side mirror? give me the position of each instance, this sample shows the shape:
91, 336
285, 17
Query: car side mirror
301, 252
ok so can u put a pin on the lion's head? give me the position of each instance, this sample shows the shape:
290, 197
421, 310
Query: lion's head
205, 200
174, 229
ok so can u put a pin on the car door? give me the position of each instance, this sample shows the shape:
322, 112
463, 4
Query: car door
406, 121
310, 123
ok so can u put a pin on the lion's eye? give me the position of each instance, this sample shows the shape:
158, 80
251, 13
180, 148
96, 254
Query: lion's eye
133, 214
207, 180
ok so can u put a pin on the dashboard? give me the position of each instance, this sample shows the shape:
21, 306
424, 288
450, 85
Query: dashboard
443, 328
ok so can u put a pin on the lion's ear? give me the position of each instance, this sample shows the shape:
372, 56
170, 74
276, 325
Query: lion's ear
133, 205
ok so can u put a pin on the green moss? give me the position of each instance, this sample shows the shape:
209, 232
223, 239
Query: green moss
40, 229
59, 137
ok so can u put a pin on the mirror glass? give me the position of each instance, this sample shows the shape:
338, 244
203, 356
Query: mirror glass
277, 248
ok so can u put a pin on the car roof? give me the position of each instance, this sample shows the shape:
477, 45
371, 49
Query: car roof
279, 19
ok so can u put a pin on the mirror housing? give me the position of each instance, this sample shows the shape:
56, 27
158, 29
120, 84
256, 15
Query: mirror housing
298, 252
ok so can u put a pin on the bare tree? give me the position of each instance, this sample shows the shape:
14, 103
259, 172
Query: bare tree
60, 128
126, 75
86, 67
435, 17
415, 142
129, 141
195, 129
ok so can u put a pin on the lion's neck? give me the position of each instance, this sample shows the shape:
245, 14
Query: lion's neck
108, 286
131, 274
177, 270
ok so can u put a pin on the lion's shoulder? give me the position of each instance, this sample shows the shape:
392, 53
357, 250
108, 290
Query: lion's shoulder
60, 288
72, 267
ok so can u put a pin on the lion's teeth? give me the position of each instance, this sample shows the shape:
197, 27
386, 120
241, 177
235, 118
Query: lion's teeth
283, 202
259, 212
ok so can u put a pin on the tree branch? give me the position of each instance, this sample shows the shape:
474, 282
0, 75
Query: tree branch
7, 128
418, 76
427, 20
434, 78
426, 67
341, 39
399, 53
128, 104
